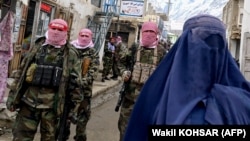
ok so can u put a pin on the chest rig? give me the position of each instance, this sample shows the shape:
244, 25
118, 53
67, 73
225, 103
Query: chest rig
145, 65
46, 71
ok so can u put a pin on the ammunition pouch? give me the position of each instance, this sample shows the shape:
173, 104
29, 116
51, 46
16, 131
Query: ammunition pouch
57, 75
37, 75
47, 76
30, 73
141, 72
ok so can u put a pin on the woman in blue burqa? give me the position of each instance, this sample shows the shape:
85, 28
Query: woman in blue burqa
197, 83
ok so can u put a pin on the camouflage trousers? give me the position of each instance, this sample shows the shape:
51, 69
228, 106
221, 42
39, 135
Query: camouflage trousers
127, 107
115, 69
27, 121
107, 66
83, 117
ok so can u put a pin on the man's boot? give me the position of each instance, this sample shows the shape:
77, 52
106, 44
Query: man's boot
115, 77
106, 78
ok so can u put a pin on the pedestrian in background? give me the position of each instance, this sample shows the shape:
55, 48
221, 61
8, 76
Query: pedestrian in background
81, 97
119, 48
40, 85
197, 83
146, 57
108, 58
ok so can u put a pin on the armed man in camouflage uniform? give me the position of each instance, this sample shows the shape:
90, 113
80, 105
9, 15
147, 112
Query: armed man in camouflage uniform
108, 55
88, 60
40, 85
146, 58
120, 49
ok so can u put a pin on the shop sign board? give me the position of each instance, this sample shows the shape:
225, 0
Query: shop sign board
132, 8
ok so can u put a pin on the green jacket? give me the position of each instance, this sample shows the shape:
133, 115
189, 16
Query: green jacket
87, 59
40, 97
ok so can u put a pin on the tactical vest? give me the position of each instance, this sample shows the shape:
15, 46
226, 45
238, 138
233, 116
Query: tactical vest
47, 68
145, 65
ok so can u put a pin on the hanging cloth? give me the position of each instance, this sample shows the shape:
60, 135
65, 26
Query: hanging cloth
6, 50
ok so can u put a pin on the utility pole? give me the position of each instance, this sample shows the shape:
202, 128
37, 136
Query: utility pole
118, 18
168, 8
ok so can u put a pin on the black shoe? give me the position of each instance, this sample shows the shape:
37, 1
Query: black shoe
103, 80
115, 78
106, 78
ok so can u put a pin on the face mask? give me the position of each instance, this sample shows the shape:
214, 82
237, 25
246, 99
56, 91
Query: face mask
84, 39
56, 37
149, 39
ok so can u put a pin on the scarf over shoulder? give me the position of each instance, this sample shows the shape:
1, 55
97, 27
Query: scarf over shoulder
197, 83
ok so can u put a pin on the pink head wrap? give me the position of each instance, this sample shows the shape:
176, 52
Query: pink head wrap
57, 32
149, 35
84, 39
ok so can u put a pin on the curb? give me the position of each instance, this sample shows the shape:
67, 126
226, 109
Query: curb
103, 88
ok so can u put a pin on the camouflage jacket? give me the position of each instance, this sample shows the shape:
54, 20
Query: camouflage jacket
120, 50
42, 97
87, 59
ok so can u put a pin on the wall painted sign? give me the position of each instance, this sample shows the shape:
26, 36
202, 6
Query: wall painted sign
132, 8
45, 7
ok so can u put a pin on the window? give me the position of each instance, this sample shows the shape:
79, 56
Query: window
240, 20
46, 12
44, 18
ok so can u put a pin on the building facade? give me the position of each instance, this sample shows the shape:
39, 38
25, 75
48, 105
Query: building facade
129, 26
232, 17
245, 41
33, 16
236, 18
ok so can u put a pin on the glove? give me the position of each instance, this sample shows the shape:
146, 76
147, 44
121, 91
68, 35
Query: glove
126, 75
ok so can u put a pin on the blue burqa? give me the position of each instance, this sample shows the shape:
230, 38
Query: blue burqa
197, 83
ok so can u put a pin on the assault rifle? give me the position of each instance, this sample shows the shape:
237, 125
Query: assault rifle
65, 120
130, 65
121, 96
